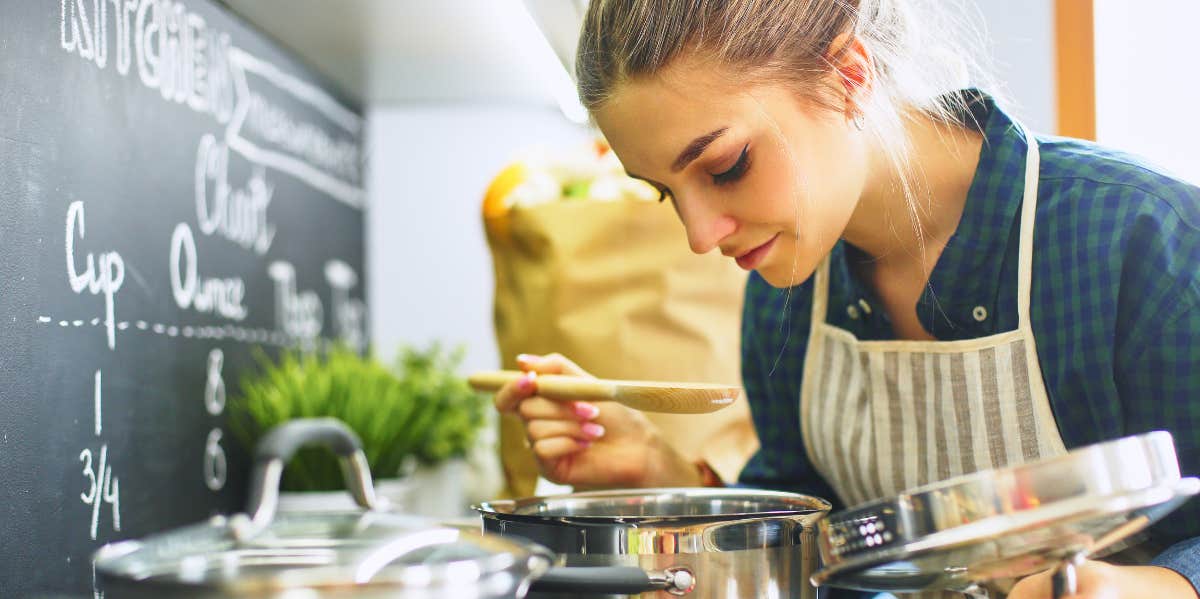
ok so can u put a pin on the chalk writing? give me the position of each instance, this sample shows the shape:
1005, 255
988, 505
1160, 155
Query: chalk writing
266, 134
349, 314
98, 277
239, 215
103, 487
177, 54
298, 314
215, 467
175, 51
214, 386
212, 295
96, 403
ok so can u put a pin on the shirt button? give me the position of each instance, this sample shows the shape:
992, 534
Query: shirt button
852, 311
866, 308
980, 313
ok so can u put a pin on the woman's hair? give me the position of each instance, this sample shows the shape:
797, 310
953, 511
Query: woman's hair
916, 54
915, 51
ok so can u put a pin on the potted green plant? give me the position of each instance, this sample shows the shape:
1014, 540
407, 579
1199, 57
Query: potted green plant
415, 415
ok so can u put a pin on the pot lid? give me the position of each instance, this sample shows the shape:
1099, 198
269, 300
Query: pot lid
1005, 523
643, 506
260, 552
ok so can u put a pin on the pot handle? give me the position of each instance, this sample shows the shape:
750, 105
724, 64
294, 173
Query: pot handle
278, 446
614, 580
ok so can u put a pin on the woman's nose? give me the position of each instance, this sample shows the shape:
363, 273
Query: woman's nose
706, 225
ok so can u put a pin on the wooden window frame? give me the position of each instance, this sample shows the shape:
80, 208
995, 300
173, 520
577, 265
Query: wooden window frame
1075, 62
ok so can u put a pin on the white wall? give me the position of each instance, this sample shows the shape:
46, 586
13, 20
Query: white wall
1146, 85
429, 270
1021, 51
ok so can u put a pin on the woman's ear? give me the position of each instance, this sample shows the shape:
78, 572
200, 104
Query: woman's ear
854, 68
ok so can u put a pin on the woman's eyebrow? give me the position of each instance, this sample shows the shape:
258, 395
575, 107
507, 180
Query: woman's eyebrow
695, 149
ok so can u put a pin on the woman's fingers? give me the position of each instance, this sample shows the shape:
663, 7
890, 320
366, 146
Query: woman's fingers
512, 394
538, 430
550, 364
557, 447
540, 408
555, 429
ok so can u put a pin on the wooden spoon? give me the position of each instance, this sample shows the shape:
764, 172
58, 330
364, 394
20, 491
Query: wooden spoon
647, 396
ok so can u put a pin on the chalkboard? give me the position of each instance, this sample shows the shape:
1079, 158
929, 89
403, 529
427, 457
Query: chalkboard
175, 190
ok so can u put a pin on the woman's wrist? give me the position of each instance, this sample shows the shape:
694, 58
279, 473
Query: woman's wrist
708, 476
1158, 581
668, 468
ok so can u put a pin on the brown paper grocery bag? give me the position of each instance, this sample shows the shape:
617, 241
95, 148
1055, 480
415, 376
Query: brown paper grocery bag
613, 286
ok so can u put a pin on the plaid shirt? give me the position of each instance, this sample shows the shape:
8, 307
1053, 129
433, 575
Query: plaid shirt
1115, 308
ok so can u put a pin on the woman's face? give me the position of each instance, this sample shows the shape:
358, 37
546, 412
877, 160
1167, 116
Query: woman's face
767, 178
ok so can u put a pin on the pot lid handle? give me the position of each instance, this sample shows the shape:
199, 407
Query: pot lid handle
278, 446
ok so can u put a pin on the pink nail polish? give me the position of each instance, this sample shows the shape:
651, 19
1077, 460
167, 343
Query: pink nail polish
584, 444
593, 430
586, 411
525, 383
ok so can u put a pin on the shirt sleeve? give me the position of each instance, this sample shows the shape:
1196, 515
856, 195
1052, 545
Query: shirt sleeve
1183, 558
775, 325
1160, 390
1157, 359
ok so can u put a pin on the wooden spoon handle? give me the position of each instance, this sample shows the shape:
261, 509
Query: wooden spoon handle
551, 386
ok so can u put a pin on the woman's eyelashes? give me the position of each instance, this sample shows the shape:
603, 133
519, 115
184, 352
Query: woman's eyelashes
730, 175
663, 194
736, 171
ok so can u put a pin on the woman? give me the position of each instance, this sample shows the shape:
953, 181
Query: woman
934, 290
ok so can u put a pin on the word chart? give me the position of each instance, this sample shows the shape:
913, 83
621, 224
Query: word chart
178, 196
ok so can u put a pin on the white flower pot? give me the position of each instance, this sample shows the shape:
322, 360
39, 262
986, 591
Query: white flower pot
440, 491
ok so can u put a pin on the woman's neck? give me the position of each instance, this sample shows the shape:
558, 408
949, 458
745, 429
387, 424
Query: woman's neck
905, 232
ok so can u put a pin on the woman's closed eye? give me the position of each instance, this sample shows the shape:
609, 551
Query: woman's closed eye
736, 171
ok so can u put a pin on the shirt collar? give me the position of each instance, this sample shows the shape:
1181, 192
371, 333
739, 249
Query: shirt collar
965, 286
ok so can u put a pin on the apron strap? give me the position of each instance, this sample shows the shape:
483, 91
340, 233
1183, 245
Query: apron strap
1028, 216
1051, 444
820, 299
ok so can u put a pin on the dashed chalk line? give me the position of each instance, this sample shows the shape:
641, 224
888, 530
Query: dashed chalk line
219, 332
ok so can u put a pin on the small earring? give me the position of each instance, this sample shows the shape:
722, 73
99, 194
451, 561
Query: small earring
860, 121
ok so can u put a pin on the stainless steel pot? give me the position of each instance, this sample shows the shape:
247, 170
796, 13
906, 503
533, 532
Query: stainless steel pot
737, 543
363, 554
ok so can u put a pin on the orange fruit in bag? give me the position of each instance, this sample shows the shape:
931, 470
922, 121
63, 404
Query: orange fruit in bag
501, 186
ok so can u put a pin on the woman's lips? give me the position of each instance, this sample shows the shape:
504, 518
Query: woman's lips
751, 259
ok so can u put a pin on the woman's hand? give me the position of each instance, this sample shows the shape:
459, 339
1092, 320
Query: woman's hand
1098, 580
590, 445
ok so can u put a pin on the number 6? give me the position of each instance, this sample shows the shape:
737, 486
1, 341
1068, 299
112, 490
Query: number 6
214, 461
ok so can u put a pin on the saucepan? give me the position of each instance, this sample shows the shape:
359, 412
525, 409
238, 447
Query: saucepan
363, 553
736, 542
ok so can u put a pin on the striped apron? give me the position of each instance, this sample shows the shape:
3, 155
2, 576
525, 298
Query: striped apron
880, 417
